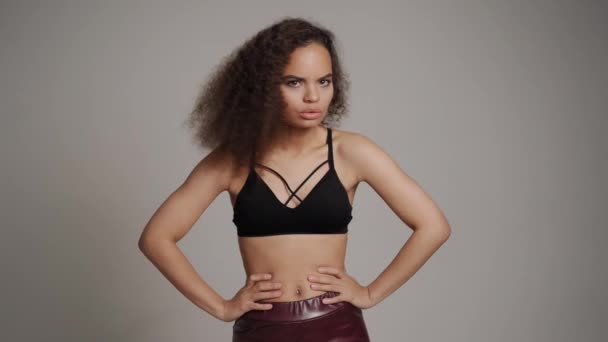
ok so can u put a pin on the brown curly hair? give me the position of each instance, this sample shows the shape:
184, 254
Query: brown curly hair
240, 104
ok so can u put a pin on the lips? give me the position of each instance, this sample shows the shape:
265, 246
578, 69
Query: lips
310, 115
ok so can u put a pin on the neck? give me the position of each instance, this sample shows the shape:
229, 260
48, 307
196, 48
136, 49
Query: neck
297, 141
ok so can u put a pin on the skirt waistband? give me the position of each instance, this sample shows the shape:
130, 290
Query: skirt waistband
296, 310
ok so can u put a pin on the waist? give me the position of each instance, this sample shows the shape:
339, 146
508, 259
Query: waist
297, 310
295, 284
294, 290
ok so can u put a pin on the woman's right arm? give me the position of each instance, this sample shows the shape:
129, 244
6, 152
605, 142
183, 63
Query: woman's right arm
174, 218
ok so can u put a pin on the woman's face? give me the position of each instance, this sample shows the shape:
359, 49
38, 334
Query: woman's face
307, 85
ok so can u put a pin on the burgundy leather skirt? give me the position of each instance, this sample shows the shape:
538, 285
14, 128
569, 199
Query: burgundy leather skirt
305, 320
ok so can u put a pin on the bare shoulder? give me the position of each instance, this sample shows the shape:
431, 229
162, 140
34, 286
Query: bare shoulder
358, 151
209, 177
374, 166
213, 170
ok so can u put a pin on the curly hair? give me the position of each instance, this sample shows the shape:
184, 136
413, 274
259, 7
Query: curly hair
240, 105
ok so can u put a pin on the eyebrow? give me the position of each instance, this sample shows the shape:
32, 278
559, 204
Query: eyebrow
301, 78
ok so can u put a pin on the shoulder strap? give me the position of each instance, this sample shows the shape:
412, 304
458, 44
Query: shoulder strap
330, 148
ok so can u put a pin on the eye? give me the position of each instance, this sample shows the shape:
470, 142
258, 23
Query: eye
291, 82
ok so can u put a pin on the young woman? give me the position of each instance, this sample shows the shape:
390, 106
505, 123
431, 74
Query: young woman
291, 178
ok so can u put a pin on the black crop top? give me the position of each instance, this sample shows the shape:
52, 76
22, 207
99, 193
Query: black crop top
325, 210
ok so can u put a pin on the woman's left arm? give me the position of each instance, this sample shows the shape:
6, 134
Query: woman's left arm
409, 202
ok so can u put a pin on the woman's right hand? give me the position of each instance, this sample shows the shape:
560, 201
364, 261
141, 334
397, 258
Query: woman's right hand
257, 287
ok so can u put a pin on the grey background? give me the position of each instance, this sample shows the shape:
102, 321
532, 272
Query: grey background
497, 108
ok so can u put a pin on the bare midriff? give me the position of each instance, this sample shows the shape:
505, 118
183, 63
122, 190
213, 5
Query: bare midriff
291, 259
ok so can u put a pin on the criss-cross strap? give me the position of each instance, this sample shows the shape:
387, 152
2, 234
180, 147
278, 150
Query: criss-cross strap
329, 160
293, 193
284, 181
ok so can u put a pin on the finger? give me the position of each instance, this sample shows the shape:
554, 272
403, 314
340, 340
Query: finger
323, 287
267, 285
323, 279
257, 277
265, 295
330, 270
331, 300
261, 306
328, 279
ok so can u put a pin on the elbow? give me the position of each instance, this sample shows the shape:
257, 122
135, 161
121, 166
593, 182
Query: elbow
440, 232
445, 231
148, 243
441, 228
142, 244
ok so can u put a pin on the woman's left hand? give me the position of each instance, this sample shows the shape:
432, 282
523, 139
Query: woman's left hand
338, 281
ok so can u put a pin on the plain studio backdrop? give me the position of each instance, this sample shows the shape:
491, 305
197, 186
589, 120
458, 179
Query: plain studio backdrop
497, 108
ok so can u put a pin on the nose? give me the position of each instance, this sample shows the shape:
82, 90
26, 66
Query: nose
311, 94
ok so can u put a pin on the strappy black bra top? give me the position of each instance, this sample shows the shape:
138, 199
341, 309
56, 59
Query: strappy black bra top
325, 210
